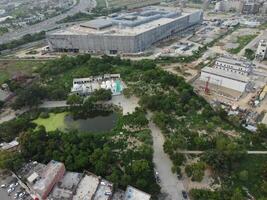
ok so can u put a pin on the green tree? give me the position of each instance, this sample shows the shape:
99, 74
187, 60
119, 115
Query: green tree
74, 100
237, 195
243, 175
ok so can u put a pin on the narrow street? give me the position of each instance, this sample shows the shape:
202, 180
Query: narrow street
170, 184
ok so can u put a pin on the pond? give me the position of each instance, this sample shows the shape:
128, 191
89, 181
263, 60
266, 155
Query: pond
101, 122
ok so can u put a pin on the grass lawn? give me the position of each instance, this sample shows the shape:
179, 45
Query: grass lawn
10, 68
242, 42
54, 122
253, 164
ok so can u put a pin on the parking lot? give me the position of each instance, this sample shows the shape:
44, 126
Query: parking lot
10, 189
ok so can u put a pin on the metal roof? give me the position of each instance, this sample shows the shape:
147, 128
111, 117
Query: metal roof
225, 74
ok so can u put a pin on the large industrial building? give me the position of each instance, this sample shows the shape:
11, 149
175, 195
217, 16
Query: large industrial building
128, 32
228, 77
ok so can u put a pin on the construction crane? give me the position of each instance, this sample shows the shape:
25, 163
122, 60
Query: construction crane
207, 86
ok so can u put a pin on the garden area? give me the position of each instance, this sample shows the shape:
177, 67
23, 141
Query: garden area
123, 154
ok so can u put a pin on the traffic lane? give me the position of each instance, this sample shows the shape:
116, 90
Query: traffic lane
4, 195
48, 24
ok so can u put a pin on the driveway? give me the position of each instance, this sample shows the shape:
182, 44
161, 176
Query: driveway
163, 164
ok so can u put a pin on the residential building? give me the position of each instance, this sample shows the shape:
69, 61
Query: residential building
261, 52
135, 194
44, 183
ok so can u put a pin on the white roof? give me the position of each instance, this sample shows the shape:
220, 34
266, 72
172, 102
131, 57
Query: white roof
32, 177
225, 74
6, 146
233, 61
87, 188
135, 194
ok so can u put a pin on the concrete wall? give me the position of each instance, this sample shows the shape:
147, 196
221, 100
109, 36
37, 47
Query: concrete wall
224, 82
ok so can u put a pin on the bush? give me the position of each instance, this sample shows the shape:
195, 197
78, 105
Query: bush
44, 115
196, 170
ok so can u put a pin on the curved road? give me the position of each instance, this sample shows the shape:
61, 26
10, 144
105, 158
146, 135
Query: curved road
49, 24
170, 185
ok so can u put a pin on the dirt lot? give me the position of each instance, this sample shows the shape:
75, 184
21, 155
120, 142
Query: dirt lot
9, 68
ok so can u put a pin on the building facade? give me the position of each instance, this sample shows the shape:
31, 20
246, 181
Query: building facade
124, 33
261, 52
223, 78
233, 65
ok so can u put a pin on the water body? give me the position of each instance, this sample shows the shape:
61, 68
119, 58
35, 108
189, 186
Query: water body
95, 122
100, 123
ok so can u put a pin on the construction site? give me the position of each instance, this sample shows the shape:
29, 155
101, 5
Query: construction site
237, 86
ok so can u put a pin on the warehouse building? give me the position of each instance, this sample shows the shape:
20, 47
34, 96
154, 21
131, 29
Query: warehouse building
128, 32
224, 78
229, 64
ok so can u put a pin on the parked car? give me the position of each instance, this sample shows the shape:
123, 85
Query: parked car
10, 190
184, 194
3, 186
22, 194
16, 195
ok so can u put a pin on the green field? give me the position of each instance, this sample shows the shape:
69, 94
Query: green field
10, 68
54, 122
242, 42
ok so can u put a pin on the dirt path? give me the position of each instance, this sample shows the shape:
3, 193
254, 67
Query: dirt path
169, 181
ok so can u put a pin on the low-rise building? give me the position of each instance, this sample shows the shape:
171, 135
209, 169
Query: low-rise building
13, 145
261, 52
51, 182
85, 86
135, 194
43, 184
87, 187
66, 188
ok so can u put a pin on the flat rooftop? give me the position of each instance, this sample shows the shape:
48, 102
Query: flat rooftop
87, 187
104, 190
135, 194
233, 61
66, 187
225, 74
127, 24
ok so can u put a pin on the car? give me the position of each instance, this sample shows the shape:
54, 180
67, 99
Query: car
11, 185
16, 195
3, 186
179, 176
184, 194
22, 194
108, 193
16, 184
10, 190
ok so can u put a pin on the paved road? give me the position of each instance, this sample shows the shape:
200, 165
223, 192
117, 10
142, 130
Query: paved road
49, 24
163, 164
254, 42
200, 152
53, 104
